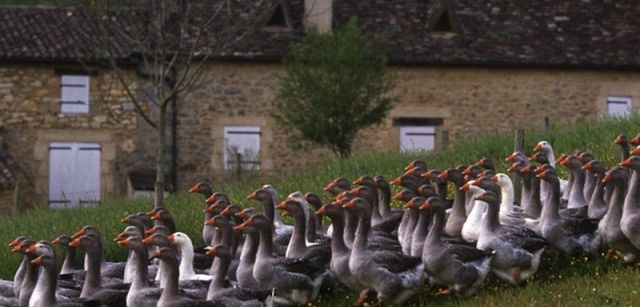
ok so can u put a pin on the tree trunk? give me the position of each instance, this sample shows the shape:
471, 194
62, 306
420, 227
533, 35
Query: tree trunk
159, 185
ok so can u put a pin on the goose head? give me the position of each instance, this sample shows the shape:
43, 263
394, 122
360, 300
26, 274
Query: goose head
426, 191
217, 207
415, 172
516, 156
472, 172
415, 202
489, 198
246, 213
415, 163
314, 200
159, 229
635, 141
433, 204
595, 166
571, 162
85, 242
539, 157
337, 185
357, 204
219, 221
179, 239
365, 180
330, 210
133, 243
633, 162
87, 230
62, 240
218, 196
22, 246
41, 247
45, 261
621, 140
257, 221
486, 163
156, 239
127, 232
502, 180
516, 167
584, 157
543, 146
452, 174
17, 241
548, 176
202, 188
165, 254
617, 174
218, 251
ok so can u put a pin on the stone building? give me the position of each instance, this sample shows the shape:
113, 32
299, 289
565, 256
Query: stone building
462, 67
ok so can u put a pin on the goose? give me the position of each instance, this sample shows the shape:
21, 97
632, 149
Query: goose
185, 247
471, 227
236, 296
422, 226
486, 163
516, 257
383, 218
140, 294
590, 180
460, 268
171, 296
295, 281
340, 253
366, 180
310, 237
135, 220
269, 198
635, 141
92, 289
228, 238
298, 248
404, 196
530, 201
215, 233
576, 194
159, 238
597, 207
509, 214
21, 272
202, 188
572, 236
107, 269
410, 182
441, 185
27, 283
44, 293
621, 140
244, 273
69, 265
395, 279
458, 215
630, 221
415, 163
545, 148
609, 225
315, 201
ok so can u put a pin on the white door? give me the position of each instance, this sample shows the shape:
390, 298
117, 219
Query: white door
413, 138
74, 174
243, 140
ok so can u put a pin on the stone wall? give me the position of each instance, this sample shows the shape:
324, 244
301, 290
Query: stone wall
469, 100
30, 112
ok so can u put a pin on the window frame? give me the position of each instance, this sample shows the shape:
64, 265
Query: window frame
228, 163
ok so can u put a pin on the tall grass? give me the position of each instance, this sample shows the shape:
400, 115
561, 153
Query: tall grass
559, 282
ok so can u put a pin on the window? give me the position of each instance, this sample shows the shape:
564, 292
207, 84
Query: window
619, 106
74, 174
74, 94
279, 18
242, 143
413, 138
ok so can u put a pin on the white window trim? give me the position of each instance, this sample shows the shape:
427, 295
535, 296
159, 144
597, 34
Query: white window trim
620, 100
77, 106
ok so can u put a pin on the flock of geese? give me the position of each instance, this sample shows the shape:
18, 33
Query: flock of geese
382, 253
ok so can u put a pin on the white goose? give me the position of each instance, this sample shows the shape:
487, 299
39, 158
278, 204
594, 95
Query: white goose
184, 244
471, 228
545, 148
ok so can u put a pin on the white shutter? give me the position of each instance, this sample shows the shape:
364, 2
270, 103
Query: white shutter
414, 138
619, 106
244, 140
74, 94
74, 174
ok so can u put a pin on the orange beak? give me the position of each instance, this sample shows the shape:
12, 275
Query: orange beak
171, 238
425, 205
75, 242
211, 251
15, 248
526, 170
37, 261
444, 175
322, 211
282, 205
151, 212
210, 222
397, 181
125, 219
194, 189
626, 163
589, 165
533, 157
618, 140
494, 178
398, 196
212, 199
226, 211
538, 147
253, 195
14, 242
242, 226
607, 177
409, 166
242, 214
358, 181
329, 186
511, 158
350, 204
409, 204
120, 237
512, 168
150, 231
32, 249
78, 234
148, 240
467, 171
124, 242
355, 192
467, 185
636, 151
56, 241
635, 141
156, 216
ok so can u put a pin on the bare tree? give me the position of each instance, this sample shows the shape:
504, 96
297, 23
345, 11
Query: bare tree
169, 42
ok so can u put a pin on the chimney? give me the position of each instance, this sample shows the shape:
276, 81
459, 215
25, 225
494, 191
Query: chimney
318, 15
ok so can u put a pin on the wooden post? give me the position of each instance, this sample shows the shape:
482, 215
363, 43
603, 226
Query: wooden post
16, 197
445, 139
518, 145
238, 165
547, 125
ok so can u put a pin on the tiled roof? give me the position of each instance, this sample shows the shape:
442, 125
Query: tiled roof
603, 33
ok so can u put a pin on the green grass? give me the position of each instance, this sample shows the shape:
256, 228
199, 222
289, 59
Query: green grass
559, 281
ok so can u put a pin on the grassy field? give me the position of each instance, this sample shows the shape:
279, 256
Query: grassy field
560, 282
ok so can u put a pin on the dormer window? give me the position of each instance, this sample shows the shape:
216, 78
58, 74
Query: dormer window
444, 20
279, 18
